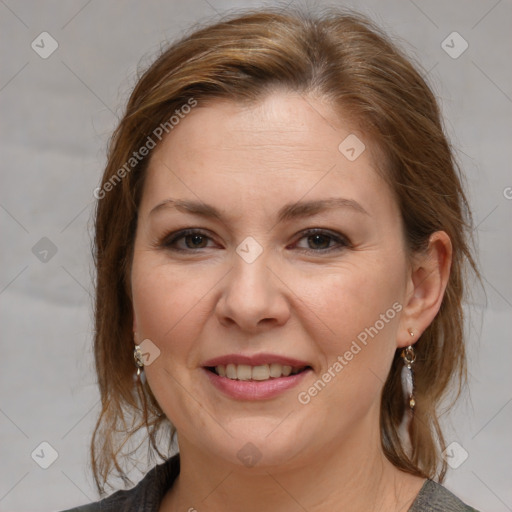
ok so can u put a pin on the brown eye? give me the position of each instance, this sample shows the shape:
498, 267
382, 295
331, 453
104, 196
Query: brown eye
321, 241
193, 240
196, 241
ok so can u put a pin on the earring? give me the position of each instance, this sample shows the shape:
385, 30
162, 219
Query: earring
139, 363
409, 357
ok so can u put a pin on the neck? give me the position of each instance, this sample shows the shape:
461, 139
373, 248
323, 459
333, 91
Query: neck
354, 475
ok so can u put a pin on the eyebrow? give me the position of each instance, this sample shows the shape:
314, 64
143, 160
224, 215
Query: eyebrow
286, 213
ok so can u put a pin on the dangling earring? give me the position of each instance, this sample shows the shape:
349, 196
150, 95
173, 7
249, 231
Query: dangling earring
139, 363
409, 357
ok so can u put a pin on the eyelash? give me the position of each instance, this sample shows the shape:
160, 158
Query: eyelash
343, 242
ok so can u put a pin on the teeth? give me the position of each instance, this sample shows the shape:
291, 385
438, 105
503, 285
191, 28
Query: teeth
261, 372
230, 371
243, 372
276, 370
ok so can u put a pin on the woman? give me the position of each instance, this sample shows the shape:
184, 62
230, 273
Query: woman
281, 239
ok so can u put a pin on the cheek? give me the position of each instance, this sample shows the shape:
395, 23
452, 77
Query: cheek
162, 299
172, 304
165, 302
360, 308
352, 299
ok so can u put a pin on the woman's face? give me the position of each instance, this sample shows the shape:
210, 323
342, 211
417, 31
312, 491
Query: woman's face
277, 279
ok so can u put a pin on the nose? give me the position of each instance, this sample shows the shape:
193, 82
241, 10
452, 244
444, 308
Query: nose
254, 298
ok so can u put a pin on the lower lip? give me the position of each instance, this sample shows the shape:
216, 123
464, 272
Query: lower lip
254, 389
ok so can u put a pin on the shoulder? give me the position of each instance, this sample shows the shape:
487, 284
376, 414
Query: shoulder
433, 497
145, 496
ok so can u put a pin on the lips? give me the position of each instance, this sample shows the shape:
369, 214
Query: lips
255, 377
255, 360
257, 367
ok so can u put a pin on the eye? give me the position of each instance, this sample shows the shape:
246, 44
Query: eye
193, 239
322, 239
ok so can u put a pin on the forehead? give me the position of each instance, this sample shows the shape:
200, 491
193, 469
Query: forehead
276, 150
281, 121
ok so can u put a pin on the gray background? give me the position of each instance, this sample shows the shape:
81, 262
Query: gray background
56, 116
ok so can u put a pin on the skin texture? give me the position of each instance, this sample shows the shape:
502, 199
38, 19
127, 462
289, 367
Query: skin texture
249, 161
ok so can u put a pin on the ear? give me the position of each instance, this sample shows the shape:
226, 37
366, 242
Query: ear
134, 322
427, 280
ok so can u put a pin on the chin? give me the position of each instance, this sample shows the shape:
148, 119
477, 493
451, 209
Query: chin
262, 449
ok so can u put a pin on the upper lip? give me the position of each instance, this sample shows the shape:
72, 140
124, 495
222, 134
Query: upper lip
255, 360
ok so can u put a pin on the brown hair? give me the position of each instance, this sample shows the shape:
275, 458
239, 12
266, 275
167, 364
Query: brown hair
345, 59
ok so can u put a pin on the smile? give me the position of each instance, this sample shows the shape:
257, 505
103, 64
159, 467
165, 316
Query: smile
258, 373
